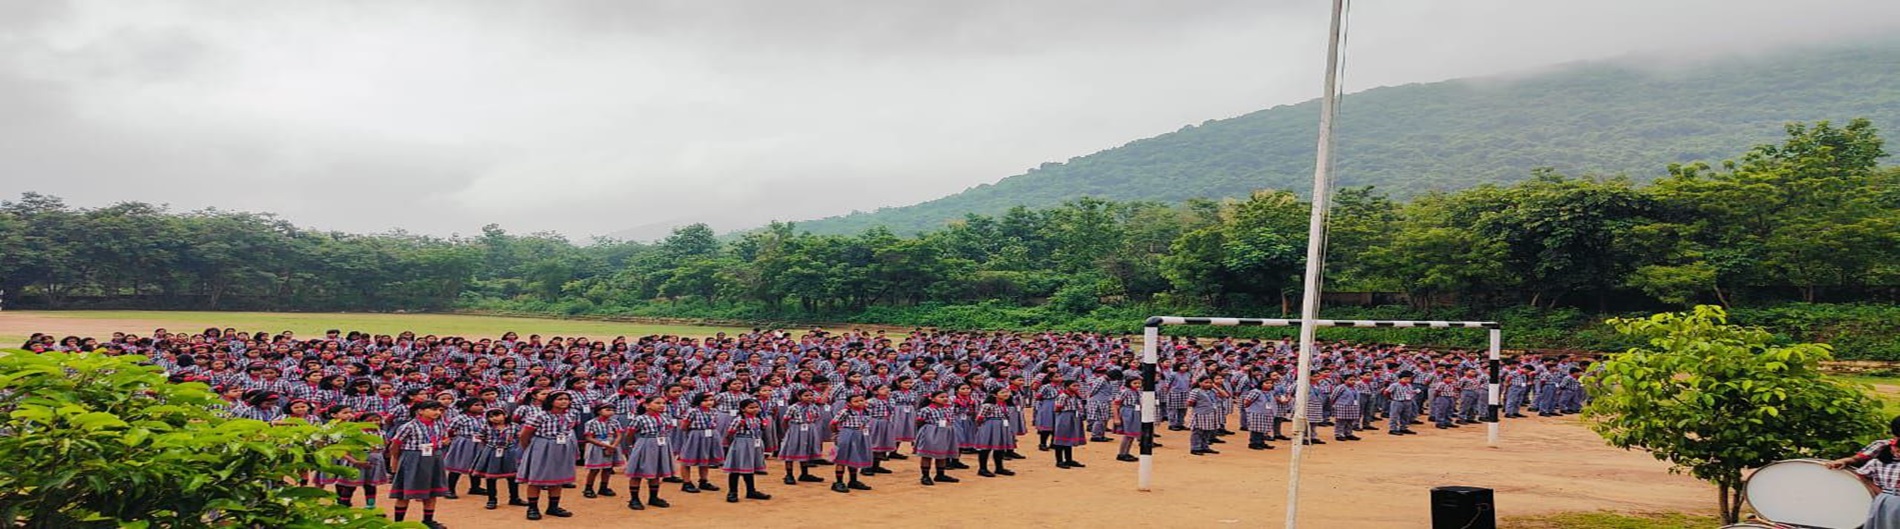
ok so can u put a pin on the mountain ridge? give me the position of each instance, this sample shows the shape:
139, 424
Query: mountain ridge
1616, 116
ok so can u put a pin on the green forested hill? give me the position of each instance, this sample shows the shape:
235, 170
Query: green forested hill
1605, 117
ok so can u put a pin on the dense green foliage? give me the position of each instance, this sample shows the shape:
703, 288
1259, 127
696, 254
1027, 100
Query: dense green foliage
1812, 218
1631, 117
103, 441
1715, 399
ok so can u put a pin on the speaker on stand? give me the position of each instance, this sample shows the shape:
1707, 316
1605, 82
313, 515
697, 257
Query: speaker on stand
1463, 508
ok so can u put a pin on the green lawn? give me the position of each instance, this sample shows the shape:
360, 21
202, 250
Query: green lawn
1885, 388
1609, 520
102, 323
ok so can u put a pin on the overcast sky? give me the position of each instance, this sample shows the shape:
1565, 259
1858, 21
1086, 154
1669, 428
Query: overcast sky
593, 117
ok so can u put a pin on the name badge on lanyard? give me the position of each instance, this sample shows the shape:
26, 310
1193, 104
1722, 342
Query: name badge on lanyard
943, 424
804, 427
560, 439
428, 450
659, 441
498, 452
708, 434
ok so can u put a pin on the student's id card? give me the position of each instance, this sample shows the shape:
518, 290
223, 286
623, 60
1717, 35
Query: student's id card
943, 424
560, 439
428, 450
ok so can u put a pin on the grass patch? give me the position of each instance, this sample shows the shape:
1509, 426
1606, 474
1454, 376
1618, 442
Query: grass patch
101, 324
1610, 520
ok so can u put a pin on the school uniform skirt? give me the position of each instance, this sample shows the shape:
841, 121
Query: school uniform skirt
546, 463
598, 457
828, 411
996, 434
935, 442
904, 424
1045, 416
378, 471
1069, 430
1885, 512
1257, 420
881, 437
746, 455
701, 449
1130, 421
1016, 422
419, 477
1345, 411
460, 457
651, 458
966, 433
853, 449
771, 437
802, 442
496, 463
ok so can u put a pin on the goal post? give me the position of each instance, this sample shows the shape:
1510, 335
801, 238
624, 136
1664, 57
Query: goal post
1150, 356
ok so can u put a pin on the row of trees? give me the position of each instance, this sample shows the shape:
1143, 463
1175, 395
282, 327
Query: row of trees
1814, 211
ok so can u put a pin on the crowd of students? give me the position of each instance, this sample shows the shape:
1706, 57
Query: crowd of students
548, 415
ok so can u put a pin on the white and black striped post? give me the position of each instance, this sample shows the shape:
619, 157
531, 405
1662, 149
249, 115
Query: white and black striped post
1491, 418
1150, 406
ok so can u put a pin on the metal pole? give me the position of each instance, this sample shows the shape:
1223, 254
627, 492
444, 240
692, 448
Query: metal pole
1149, 407
1315, 262
1491, 428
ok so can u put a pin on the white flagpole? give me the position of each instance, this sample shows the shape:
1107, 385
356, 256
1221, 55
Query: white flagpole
1315, 262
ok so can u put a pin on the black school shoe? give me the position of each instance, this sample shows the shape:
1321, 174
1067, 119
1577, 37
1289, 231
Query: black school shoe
558, 512
607, 491
756, 495
857, 485
838, 487
808, 478
1127, 458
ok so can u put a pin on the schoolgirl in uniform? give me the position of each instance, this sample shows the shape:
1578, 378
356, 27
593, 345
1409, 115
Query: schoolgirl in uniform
1205, 405
1046, 411
497, 456
459, 459
804, 438
1346, 412
1256, 414
963, 406
651, 459
772, 411
852, 452
700, 446
298, 413
995, 433
881, 438
1018, 396
602, 454
745, 451
347, 481
1127, 408
904, 402
548, 450
936, 438
1443, 392
1069, 432
415, 459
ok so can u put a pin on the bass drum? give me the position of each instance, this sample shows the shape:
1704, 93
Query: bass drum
1805, 493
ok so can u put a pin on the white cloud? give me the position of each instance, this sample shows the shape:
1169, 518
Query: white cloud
592, 116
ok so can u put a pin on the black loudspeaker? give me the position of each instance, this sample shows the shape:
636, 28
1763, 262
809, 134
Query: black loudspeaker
1463, 508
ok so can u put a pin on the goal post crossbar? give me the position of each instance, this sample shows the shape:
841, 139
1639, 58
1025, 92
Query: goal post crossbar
1151, 335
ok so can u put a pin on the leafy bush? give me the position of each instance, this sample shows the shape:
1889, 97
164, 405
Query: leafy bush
104, 441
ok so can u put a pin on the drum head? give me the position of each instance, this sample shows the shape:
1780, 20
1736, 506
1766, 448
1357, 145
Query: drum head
1805, 492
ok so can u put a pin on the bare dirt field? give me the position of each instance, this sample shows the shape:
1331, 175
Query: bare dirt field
1544, 466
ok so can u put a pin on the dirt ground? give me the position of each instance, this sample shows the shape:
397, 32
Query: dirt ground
1544, 466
